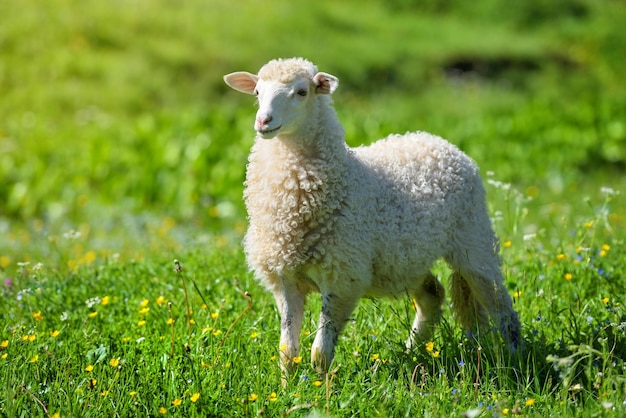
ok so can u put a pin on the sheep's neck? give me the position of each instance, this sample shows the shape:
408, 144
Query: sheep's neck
293, 189
321, 137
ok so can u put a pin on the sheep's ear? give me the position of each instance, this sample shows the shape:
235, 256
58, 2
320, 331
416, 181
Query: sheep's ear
242, 81
325, 83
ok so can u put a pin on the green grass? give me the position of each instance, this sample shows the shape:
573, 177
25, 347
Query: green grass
122, 150
90, 335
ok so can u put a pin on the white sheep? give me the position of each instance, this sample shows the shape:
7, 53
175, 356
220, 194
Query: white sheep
368, 221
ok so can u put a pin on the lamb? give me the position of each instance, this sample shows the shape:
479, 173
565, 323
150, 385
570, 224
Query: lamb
361, 222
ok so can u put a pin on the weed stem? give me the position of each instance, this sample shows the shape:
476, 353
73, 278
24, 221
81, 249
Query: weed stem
178, 268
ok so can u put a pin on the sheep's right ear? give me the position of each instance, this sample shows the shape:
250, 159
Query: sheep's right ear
325, 83
242, 81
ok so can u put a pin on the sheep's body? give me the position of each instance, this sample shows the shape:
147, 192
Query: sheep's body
368, 221
396, 217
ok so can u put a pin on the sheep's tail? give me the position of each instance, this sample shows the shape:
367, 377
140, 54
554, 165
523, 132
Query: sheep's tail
477, 302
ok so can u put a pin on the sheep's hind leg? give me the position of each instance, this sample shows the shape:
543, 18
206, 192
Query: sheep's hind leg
335, 313
480, 294
428, 298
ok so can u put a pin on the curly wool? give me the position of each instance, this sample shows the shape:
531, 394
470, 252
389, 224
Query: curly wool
374, 208
288, 70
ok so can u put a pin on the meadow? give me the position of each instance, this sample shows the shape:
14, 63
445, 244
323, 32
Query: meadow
122, 156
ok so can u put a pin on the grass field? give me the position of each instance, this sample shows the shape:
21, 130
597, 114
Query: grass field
121, 151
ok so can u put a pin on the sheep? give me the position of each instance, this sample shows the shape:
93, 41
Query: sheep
360, 222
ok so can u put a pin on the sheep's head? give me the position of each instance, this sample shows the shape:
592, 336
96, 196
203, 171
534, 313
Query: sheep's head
285, 90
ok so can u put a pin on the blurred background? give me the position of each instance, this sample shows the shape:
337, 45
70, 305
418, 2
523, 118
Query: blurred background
115, 121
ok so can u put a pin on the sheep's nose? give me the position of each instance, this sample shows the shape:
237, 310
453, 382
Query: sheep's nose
262, 121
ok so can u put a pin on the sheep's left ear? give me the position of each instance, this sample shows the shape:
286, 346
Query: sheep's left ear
325, 83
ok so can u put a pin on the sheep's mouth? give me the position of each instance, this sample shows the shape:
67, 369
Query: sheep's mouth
269, 132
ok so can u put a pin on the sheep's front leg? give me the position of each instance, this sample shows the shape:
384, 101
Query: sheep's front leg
290, 301
335, 313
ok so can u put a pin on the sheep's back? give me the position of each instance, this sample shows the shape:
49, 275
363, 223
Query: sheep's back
426, 187
421, 166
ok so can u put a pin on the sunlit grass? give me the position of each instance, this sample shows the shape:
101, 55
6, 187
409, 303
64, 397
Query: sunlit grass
112, 336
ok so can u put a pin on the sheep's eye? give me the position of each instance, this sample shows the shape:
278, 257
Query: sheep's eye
256, 92
302, 92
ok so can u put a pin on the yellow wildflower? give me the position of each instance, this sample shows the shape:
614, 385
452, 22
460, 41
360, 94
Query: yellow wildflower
92, 314
214, 315
375, 356
273, 397
194, 397
4, 261
34, 359
38, 316
105, 300
435, 354
568, 276
161, 300
132, 393
55, 415
32, 337
430, 346
89, 368
89, 257
530, 402
505, 411
254, 335
4, 344
162, 410
507, 244
141, 323
144, 311
177, 402
144, 303
297, 360
605, 300
561, 257
54, 333
169, 321
253, 397
114, 362
317, 383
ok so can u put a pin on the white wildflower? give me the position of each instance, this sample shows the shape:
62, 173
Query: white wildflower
72, 234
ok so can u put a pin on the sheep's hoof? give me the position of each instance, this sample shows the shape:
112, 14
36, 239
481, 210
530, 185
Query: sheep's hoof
319, 362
